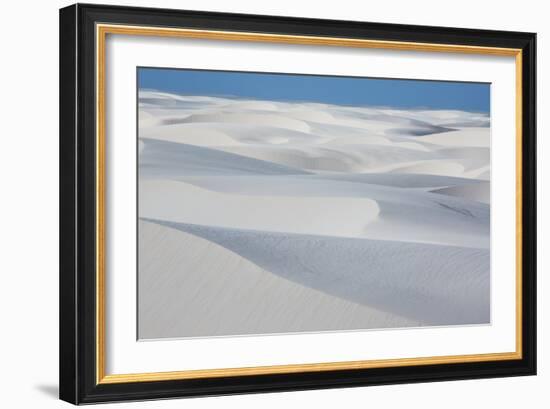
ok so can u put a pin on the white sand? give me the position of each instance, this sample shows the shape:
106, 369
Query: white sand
265, 217
194, 287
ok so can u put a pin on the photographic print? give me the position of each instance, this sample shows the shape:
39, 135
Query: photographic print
283, 203
255, 204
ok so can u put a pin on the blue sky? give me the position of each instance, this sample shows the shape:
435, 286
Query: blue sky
317, 88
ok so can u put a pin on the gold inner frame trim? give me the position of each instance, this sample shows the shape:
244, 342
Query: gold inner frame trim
101, 33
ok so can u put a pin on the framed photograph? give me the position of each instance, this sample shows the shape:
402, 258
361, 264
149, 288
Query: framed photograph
257, 203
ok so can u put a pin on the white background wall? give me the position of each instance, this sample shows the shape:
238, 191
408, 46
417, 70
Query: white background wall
29, 202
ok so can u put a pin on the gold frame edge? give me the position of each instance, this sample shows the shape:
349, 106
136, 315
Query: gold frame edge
101, 32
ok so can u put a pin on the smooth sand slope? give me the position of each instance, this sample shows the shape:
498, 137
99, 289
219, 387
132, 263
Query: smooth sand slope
263, 217
222, 292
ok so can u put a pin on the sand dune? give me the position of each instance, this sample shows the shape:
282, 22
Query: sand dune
166, 159
299, 205
345, 268
402, 180
332, 158
479, 192
183, 276
183, 202
474, 137
269, 216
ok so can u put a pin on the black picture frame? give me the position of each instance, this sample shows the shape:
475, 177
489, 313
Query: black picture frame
78, 312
